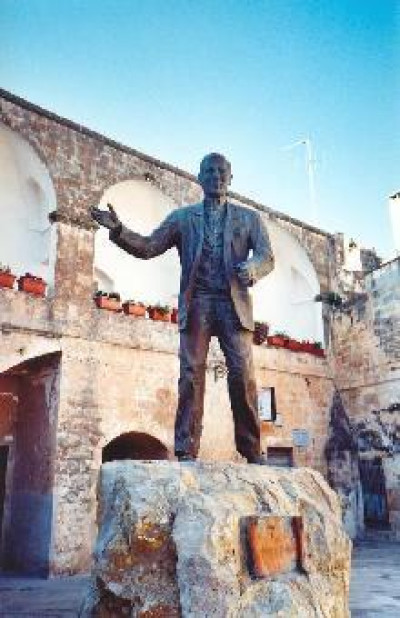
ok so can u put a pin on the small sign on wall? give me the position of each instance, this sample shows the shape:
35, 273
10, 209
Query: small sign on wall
301, 437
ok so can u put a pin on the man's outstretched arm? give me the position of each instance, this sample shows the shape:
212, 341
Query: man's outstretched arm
145, 247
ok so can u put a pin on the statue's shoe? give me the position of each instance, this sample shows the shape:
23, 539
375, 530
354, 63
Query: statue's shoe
185, 457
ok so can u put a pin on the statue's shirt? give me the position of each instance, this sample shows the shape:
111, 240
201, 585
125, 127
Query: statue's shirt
211, 276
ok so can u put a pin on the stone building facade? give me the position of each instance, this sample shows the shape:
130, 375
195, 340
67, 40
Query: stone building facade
79, 385
365, 355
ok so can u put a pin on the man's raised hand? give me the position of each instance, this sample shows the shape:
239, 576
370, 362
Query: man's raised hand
108, 219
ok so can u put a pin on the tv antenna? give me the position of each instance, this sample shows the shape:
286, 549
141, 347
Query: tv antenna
310, 169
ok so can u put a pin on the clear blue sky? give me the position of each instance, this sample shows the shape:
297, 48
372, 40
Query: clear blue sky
178, 78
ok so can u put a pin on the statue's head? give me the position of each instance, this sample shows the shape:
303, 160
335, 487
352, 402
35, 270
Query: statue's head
215, 175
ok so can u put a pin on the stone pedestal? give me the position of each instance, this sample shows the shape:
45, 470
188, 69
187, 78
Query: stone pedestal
215, 539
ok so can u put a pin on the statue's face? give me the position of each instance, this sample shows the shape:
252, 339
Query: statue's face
215, 176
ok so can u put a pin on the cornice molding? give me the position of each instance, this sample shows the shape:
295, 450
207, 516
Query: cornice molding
83, 221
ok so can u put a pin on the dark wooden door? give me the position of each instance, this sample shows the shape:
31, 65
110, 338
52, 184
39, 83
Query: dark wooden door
373, 485
280, 456
3, 473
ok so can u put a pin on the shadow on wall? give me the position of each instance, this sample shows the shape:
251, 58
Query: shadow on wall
135, 445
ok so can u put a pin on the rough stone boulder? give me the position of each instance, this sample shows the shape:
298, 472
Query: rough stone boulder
217, 539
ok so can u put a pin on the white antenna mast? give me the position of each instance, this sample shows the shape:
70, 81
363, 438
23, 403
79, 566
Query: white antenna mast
310, 169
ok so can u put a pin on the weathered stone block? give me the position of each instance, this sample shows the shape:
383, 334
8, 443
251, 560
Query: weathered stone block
172, 542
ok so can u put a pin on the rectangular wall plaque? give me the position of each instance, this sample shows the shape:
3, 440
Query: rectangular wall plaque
301, 437
274, 543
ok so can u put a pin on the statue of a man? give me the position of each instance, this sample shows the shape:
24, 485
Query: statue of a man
224, 249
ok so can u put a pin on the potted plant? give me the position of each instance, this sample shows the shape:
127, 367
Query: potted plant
7, 278
307, 346
174, 315
260, 334
318, 349
110, 302
278, 339
160, 313
32, 284
131, 307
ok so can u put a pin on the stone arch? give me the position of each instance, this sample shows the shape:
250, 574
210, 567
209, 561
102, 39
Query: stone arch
29, 398
285, 298
141, 205
25, 353
28, 136
135, 445
27, 239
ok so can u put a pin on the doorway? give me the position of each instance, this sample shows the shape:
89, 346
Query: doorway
372, 477
3, 475
280, 456
26, 499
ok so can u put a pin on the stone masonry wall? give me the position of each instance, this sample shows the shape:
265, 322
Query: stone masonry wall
366, 344
365, 357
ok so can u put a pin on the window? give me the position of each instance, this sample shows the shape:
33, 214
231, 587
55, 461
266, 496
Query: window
280, 456
267, 404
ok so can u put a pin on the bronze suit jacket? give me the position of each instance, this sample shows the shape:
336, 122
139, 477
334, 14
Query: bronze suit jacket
245, 240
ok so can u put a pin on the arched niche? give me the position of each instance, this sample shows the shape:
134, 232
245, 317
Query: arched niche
285, 298
27, 196
141, 207
134, 445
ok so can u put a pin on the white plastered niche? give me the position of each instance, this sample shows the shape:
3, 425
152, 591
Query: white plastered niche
27, 196
141, 206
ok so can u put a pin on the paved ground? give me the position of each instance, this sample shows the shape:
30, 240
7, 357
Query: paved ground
374, 592
22, 597
375, 581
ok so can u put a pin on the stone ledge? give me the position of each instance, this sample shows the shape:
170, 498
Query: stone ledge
171, 543
52, 317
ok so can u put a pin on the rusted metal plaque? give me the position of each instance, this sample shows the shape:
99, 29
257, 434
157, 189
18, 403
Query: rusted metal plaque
274, 544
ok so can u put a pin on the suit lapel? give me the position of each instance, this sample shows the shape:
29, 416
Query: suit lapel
230, 214
198, 230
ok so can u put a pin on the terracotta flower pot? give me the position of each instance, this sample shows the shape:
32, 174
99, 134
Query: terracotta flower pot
109, 304
35, 286
159, 316
293, 345
276, 341
7, 280
174, 316
139, 311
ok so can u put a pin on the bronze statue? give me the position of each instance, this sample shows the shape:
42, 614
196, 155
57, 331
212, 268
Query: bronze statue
224, 249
